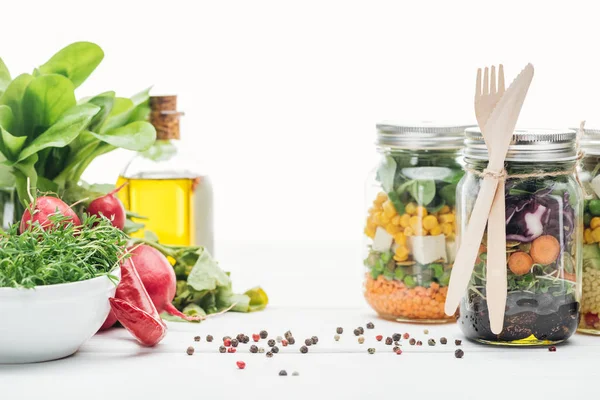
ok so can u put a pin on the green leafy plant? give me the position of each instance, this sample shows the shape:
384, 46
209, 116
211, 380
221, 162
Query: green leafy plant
48, 138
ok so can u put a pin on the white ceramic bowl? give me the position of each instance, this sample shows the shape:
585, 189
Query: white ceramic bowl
51, 322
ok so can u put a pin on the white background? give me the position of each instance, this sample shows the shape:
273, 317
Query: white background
281, 100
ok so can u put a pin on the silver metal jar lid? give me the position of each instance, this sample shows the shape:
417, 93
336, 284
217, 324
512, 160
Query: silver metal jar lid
527, 145
423, 135
590, 141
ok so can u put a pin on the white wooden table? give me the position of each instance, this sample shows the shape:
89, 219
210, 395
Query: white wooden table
112, 366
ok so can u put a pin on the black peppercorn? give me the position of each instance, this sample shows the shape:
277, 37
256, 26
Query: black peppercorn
263, 334
240, 337
275, 349
361, 329
271, 342
459, 353
339, 330
370, 325
269, 354
288, 335
314, 339
443, 340
458, 342
282, 373
291, 340
254, 349
222, 349
356, 332
395, 349
190, 351
371, 350
196, 338
389, 341
419, 343
412, 341
431, 342
396, 337
308, 342
303, 349
209, 338
234, 342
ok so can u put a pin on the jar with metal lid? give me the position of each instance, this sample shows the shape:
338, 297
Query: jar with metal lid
410, 223
544, 210
590, 176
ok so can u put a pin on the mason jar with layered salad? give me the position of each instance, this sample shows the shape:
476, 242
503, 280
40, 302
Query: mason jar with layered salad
590, 176
544, 210
410, 224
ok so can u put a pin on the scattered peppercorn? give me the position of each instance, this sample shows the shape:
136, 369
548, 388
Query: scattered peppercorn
371, 350
379, 337
241, 364
399, 351
190, 351
361, 329
288, 334
269, 354
231, 350
295, 373
234, 342
308, 342
196, 338
255, 337
209, 338
406, 336
396, 343
356, 332
552, 348
284, 343
271, 342
279, 339
443, 340
426, 331
275, 349
361, 339
395, 349
240, 337
254, 349
227, 342
222, 349
291, 340
388, 341
459, 353
246, 339
339, 330
419, 343
261, 350
412, 341
370, 325
263, 334
431, 342
282, 373
396, 337
336, 338
314, 339
457, 342
303, 349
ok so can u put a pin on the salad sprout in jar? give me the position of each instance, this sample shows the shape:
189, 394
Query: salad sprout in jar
543, 204
590, 176
410, 224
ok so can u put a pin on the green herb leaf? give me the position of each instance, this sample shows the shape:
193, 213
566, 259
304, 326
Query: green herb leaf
423, 191
76, 62
386, 173
105, 101
206, 274
4, 77
258, 299
119, 115
137, 136
46, 98
13, 97
10, 145
64, 131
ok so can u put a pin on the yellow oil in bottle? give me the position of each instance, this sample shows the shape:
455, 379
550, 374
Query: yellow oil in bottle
168, 205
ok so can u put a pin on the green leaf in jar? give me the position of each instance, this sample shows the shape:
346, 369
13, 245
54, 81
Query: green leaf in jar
395, 199
422, 191
386, 173
448, 193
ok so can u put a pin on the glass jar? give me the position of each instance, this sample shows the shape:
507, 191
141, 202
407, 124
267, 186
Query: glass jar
410, 224
543, 239
590, 176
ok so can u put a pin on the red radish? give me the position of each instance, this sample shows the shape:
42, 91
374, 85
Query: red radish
44, 207
158, 278
109, 206
110, 321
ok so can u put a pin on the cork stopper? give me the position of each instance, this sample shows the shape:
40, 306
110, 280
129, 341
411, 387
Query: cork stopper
165, 117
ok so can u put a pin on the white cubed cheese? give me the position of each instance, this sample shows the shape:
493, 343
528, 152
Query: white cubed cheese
427, 249
382, 241
451, 250
596, 185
